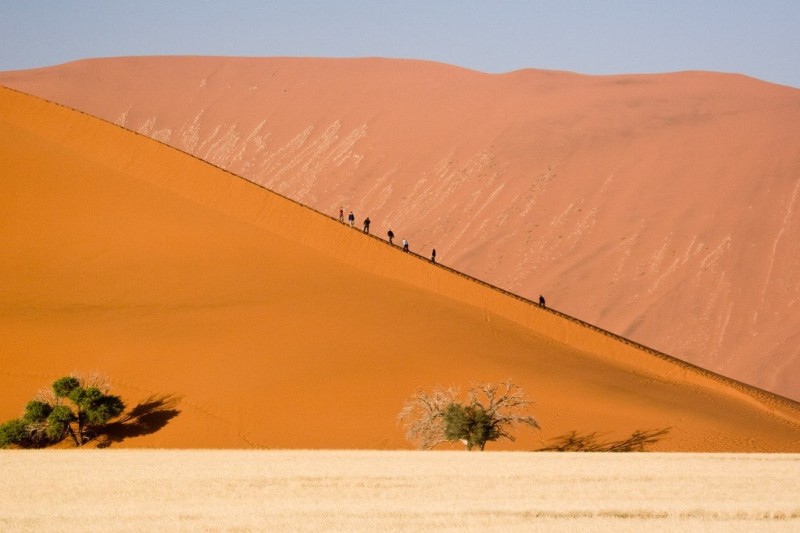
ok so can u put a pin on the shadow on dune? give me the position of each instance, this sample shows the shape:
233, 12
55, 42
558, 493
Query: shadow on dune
590, 442
147, 417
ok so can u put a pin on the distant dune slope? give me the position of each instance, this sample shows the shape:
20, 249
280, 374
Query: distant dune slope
251, 320
663, 208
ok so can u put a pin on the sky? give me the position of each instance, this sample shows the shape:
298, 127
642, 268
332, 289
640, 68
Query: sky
758, 38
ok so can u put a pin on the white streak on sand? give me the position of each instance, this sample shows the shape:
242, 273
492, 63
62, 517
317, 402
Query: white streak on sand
535, 190
272, 164
712, 258
149, 129
784, 224
209, 138
626, 245
221, 151
250, 138
122, 119
344, 150
190, 133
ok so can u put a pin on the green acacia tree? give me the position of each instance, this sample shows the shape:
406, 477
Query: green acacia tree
13, 432
74, 408
489, 414
470, 424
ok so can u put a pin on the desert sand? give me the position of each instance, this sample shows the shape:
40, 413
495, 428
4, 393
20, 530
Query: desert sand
660, 207
239, 318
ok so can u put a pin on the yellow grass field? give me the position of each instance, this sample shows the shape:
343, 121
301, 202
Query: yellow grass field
152, 490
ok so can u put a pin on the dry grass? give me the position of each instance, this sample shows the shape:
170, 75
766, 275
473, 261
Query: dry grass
139, 490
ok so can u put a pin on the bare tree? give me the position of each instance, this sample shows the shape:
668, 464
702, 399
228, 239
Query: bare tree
503, 405
488, 415
423, 416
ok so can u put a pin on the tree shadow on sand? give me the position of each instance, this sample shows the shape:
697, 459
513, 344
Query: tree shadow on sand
147, 417
590, 442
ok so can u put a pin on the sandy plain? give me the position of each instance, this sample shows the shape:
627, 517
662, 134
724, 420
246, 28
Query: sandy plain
662, 208
191, 490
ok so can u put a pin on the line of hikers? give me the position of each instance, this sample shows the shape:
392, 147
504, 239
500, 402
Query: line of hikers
351, 219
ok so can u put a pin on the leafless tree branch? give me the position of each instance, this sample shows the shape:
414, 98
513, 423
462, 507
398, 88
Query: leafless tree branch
424, 420
421, 416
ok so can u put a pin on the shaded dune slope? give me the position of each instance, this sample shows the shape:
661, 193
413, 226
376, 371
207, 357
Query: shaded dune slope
261, 322
663, 208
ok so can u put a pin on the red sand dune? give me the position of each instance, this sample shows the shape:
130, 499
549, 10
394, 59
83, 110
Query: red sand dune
267, 324
662, 208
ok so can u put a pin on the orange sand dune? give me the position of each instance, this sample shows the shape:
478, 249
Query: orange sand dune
663, 208
267, 324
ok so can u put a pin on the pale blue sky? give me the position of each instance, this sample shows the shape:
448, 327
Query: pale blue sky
759, 38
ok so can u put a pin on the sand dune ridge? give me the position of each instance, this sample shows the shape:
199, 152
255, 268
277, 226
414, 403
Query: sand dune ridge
309, 313
660, 207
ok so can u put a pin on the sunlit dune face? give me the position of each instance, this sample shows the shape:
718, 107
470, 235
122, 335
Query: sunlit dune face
662, 208
258, 322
